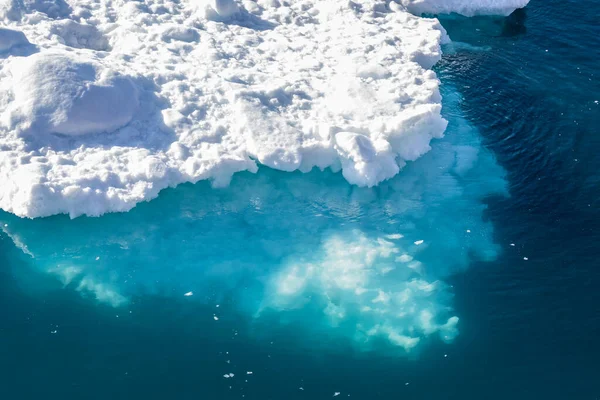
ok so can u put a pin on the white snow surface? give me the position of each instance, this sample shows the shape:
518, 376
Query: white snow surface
10, 39
122, 99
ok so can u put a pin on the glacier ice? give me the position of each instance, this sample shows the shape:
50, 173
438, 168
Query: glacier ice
124, 99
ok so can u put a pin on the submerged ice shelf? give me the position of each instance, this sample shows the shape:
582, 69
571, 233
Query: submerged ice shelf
211, 90
103, 104
364, 264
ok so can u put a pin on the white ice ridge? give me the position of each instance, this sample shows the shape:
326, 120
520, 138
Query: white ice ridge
468, 8
106, 103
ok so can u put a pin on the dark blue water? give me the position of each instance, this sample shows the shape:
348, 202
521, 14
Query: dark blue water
528, 328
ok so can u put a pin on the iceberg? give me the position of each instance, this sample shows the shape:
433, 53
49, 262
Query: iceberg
312, 131
121, 100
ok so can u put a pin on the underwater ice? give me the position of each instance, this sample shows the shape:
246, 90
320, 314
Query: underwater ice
369, 265
104, 104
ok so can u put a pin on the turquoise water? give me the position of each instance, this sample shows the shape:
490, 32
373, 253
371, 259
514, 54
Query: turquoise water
317, 287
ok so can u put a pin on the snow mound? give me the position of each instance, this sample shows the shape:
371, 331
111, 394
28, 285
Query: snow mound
468, 8
220, 85
58, 93
218, 10
80, 36
10, 39
15, 9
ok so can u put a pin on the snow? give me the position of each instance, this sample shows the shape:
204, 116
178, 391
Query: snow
123, 99
58, 93
10, 38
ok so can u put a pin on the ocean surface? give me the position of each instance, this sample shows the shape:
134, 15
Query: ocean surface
204, 293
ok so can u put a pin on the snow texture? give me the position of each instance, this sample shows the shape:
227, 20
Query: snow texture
124, 99
10, 39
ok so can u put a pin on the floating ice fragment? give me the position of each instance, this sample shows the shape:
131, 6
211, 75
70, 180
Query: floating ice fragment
249, 373
468, 231
525, 258
215, 318
394, 236
419, 242
404, 258
188, 294
336, 394
512, 244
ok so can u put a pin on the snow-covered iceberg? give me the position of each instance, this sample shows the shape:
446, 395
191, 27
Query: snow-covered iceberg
120, 99
105, 103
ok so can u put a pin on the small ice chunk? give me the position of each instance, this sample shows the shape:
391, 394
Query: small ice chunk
419, 242
336, 394
215, 318
405, 258
394, 236
249, 373
188, 294
525, 258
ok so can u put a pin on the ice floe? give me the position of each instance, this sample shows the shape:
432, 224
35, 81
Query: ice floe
120, 100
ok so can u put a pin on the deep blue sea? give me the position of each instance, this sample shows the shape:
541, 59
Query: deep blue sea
252, 292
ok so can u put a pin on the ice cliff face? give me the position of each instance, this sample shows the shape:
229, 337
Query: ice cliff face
465, 7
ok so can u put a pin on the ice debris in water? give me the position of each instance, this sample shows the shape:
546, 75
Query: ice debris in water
188, 294
123, 99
